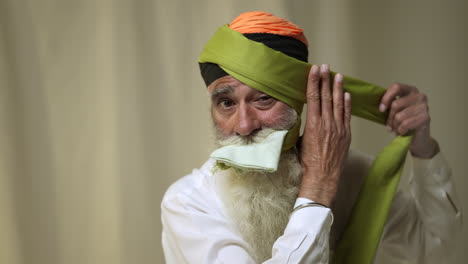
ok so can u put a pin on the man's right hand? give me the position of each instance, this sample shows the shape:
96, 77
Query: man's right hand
327, 136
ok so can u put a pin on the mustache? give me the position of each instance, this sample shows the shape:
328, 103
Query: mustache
254, 137
285, 123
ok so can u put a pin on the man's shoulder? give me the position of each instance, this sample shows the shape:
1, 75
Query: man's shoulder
199, 181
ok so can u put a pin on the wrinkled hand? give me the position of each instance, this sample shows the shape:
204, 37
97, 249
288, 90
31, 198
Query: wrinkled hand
409, 111
327, 136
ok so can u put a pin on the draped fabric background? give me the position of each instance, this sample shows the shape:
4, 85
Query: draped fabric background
102, 107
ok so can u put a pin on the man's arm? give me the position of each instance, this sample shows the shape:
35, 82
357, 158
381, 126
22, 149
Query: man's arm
425, 217
427, 213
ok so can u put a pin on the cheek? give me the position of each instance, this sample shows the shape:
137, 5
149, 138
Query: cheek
274, 115
222, 123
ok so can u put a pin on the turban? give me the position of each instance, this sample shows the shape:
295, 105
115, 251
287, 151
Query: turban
274, 32
282, 74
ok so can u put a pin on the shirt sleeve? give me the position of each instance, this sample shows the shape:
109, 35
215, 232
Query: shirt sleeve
425, 217
192, 234
306, 237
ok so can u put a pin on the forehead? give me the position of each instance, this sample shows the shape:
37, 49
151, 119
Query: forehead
227, 84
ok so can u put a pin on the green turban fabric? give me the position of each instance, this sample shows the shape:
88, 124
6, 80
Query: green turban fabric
285, 79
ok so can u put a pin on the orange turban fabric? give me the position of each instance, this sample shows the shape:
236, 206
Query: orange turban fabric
263, 22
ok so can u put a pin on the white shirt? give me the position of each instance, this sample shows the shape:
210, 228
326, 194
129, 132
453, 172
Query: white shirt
423, 221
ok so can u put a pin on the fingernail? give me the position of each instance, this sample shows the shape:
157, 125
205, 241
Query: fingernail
382, 107
389, 128
347, 96
315, 69
339, 77
324, 68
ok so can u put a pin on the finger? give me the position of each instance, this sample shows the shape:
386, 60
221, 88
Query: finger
347, 111
397, 106
395, 90
415, 111
412, 123
338, 103
313, 94
325, 94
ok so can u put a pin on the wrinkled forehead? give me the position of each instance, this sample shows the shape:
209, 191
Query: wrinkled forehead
229, 86
224, 84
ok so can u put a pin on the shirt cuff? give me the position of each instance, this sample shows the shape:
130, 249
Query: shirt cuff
306, 237
310, 219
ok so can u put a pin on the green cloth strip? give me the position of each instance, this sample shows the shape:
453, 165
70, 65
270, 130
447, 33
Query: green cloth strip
361, 237
285, 79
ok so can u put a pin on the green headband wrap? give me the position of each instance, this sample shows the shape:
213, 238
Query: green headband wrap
285, 79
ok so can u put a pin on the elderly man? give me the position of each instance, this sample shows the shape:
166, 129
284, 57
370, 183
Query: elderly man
267, 196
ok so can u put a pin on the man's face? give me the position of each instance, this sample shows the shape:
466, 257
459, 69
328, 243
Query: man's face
239, 110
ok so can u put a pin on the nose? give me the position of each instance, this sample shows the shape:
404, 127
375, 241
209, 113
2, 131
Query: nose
247, 120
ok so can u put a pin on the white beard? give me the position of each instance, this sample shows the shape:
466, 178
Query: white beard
259, 203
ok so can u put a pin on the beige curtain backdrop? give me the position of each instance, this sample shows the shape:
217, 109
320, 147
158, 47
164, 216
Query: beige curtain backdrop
102, 107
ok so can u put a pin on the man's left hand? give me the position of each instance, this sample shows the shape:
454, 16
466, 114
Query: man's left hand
409, 111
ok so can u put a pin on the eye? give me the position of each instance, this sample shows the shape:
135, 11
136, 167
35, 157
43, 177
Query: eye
226, 103
265, 101
264, 98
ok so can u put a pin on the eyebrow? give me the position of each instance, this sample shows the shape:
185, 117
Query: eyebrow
222, 90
